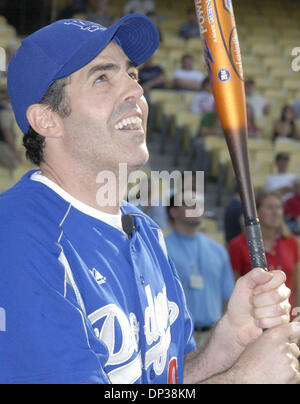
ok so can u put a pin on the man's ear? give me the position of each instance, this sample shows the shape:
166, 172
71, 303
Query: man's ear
43, 120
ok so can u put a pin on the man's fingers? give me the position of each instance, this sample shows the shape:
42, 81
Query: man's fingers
294, 350
278, 279
293, 331
271, 297
267, 323
290, 333
274, 310
257, 277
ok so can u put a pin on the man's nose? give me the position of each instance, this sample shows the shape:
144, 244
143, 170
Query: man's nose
132, 90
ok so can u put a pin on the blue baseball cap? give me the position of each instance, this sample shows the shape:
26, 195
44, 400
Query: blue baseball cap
61, 48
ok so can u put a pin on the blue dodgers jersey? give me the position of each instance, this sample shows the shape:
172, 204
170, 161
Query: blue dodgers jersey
82, 303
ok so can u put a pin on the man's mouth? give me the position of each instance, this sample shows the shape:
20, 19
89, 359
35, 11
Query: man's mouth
132, 123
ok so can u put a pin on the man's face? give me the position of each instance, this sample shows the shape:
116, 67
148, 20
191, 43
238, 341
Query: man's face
188, 63
282, 165
191, 202
107, 125
271, 212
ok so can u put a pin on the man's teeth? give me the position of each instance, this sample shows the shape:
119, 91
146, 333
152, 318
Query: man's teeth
133, 123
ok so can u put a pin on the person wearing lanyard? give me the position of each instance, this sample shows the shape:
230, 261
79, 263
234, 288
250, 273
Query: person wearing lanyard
281, 246
204, 269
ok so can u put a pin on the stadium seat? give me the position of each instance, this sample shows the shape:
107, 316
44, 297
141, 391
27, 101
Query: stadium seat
194, 44
287, 146
291, 84
189, 120
275, 95
264, 49
164, 96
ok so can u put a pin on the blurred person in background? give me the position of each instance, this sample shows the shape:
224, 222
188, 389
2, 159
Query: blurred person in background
11, 48
296, 107
285, 127
100, 14
139, 6
204, 101
187, 78
151, 76
10, 156
233, 218
253, 130
282, 181
71, 8
210, 124
190, 29
292, 209
203, 266
258, 102
281, 246
156, 210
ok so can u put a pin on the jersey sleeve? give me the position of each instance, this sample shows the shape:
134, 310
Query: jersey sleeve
190, 344
45, 337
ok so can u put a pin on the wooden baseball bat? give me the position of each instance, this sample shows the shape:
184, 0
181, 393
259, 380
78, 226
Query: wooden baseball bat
224, 63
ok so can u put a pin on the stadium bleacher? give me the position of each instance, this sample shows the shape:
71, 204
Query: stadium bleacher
268, 32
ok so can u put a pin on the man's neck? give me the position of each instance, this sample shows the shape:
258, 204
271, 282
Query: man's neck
186, 230
84, 187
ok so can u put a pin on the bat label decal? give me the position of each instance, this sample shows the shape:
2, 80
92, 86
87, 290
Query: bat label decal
201, 16
224, 75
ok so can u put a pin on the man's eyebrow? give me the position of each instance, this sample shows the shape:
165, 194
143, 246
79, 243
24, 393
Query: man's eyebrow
130, 64
108, 67
102, 68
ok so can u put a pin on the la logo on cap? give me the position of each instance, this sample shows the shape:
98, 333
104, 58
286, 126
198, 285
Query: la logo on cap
85, 26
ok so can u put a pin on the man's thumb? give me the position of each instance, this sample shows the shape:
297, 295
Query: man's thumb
257, 276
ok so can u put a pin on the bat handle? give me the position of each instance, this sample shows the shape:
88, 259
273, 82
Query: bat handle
255, 244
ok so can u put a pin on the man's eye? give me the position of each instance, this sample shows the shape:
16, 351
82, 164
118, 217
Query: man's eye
101, 78
134, 76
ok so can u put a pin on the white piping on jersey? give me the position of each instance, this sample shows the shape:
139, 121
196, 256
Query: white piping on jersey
64, 218
162, 243
70, 279
186, 307
62, 222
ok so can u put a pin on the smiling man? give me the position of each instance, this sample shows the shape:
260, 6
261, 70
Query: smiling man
85, 301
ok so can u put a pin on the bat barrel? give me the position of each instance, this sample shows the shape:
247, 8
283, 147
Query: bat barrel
224, 64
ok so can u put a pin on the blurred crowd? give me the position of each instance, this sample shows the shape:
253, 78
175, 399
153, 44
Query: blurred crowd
207, 268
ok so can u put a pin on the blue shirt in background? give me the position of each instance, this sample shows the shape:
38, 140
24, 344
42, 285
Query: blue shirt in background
203, 258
